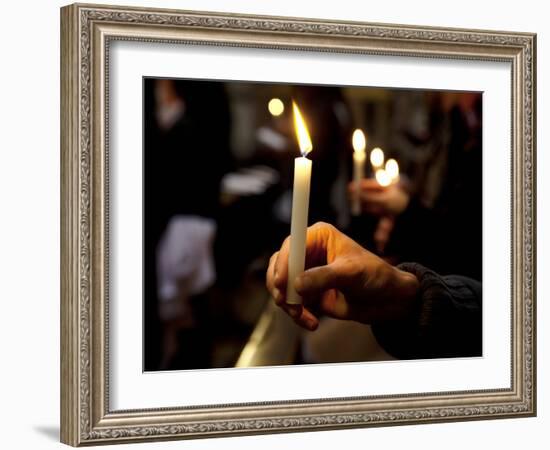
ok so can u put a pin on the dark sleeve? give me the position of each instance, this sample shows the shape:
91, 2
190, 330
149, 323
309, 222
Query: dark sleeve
446, 323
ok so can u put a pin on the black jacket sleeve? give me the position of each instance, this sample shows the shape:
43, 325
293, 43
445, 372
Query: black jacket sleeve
447, 322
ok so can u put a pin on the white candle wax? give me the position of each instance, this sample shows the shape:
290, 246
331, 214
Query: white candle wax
359, 157
358, 142
298, 226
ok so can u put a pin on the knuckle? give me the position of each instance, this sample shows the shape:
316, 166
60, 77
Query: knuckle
382, 273
273, 258
321, 225
278, 281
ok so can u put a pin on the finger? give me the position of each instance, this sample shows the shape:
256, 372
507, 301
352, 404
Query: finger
386, 223
301, 316
280, 270
319, 236
317, 241
316, 280
371, 184
307, 320
270, 280
380, 240
366, 185
270, 273
294, 311
334, 304
378, 198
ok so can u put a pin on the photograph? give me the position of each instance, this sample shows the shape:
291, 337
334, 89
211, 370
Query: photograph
289, 224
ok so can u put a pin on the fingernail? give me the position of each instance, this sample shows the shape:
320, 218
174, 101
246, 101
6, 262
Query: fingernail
294, 312
277, 294
311, 325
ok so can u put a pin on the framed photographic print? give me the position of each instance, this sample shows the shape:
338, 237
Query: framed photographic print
276, 224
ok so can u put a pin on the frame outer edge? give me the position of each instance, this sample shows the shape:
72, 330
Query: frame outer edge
533, 225
98, 230
83, 402
70, 299
534, 235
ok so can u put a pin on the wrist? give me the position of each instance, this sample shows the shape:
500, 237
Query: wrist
409, 288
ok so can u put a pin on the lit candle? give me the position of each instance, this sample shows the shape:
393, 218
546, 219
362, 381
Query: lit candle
376, 158
392, 169
382, 177
388, 175
359, 143
300, 206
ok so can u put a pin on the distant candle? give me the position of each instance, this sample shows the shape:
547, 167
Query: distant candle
376, 158
392, 169
300, 206
276, 107
382, 177
359, 143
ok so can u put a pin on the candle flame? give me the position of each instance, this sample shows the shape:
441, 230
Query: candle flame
383, 177
377, 157
302, 133
276, 106
358, 141
392, 169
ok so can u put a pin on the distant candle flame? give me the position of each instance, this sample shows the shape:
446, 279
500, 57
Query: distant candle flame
276, 107
358, 141
383, 177
302, 134
377, 157
392, 169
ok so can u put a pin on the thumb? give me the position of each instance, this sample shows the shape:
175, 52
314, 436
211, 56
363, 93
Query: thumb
316, 280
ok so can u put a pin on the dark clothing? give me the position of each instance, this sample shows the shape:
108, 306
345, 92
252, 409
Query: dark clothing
330, 135
184, 165
447, 235
446, 324
448, 239
182, 170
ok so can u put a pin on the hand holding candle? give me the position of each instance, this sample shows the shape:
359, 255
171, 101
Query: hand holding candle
384, 195
380, 194
300, 206
343, 281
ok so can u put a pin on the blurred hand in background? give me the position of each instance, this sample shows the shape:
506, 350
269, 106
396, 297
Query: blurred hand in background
380, 200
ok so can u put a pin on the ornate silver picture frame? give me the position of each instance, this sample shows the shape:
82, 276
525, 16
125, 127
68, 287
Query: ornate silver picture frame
87, 31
